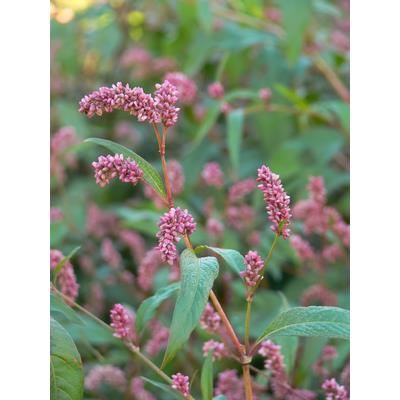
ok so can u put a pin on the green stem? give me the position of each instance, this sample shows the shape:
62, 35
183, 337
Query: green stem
247, 324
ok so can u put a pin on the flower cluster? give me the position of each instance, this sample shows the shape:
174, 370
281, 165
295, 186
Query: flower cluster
230, 385
108, 167
108, 374
334, 391
159, 339
138, 391
66, 277
318, 295
302, 248
254, 265
240, 216
173, 224
135, 101
175, 176
218, 349
187, 89
214, 227
122, 322
181, 383
278, 202
275, 365
166, 96
210, 320
324, 361
212, 175
100, 223
215, 90
110, 254
135, 243
240, 189
147, 268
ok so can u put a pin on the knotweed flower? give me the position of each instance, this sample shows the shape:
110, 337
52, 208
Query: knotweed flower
186, 87
173, 224
96, 300
135, 243
334, 391
138, 391
278, 202
166, 96
176, 177
68, 283
109, 167
210, 320
265, 94
108, 374
147, 269
240, 189
55, 257
275, 365
122, 322
226, 108
230, 385
151, 194
316, 188
214, 227
218, 349
240, 217
302, 248
332, 252
215, 90
212, 175
320, 367
318, 295
181, 383
56, 214
110, 253
254, 265
100, 223
135, 56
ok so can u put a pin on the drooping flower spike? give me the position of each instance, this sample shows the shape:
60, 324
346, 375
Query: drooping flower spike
109, 167
277, 201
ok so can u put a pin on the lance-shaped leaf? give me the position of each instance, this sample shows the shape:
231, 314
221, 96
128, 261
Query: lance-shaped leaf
150, 174
329, 322
232, 257
197, 278
207, 377
66, 372
149, 306
234, 136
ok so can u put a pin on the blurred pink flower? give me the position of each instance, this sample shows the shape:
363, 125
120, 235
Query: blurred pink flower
318, 295
186, 87
176, 177
56, 214
218, 349
214, 227
147, 268
215, 90
240, 189
109, 253
213, 175
230, 385
135, 243
334, 391
265, 94
302, 248
108, 374
158, 340
138, 391
210, 320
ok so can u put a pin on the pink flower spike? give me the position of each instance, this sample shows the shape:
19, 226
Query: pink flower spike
186, 87
108, 167
277, 201
334, 391
215, 90
181, 383
108, 374
166, 96
218, 349
210, 320
254, 265
122, 322
173, 224
213, 175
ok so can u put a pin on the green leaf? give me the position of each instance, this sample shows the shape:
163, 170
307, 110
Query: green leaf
197, 278
207, 377
232, 257
66, 372
57, 306
151, 176
61, 264
296, 18
204, 15
330, 322
165, 388
149, 306
234, 137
